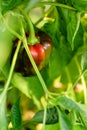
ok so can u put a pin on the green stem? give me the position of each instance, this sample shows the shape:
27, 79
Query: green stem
45, 112
55, 4
45, 15
84, 88
38, 21
44, 118
3, 89
76, 30
11, 72
68, 77
33, 63
75, 83
82, 80
49, 11
32, 38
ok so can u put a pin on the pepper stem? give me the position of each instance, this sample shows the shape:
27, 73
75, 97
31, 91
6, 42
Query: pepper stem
32, 39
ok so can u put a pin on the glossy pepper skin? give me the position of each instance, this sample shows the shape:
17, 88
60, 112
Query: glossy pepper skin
40, 52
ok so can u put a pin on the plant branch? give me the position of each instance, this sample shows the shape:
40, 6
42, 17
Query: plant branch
82, 80
44, 118
81, 76
76, 30
56, 4
32, 39
68, 77
33, 63
11, 72
45, 15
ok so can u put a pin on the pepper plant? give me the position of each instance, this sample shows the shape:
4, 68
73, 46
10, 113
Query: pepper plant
43, 53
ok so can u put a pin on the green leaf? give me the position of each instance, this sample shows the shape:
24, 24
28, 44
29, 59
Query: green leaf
84, 61
13, 4
3, 118
63, 55
71, 105
57, 62
78, 127
51, 117
10, 23
68, 103
52, 28
16, 118
83, 114
52, 127
30, 86
66, 33
31, 4
64, 122
4, 49
72, 27
81, 5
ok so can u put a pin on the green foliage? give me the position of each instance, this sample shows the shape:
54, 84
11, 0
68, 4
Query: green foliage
51, 116
29, 86
80, 5
55, 115
84, 62
7, 5
3, 120
64, 122
78, 127
16, 118
66, 40
71, 27
71, 105
8, 24
52, 28
83, 114
52, 127
66, 25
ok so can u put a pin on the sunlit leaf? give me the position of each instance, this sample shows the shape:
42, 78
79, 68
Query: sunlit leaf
31, 4
30, 86
64, 122
84, 61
